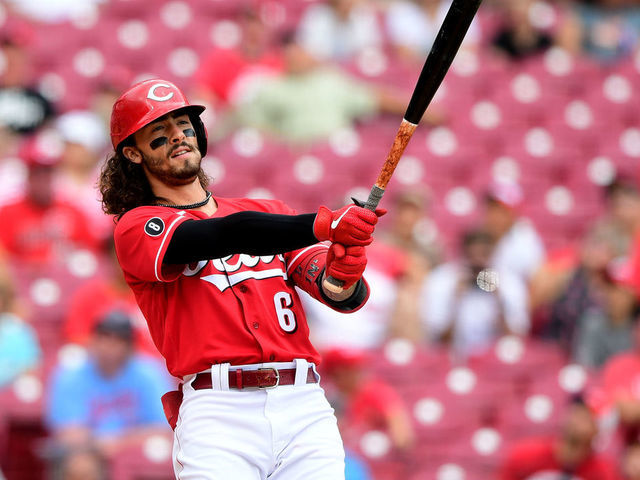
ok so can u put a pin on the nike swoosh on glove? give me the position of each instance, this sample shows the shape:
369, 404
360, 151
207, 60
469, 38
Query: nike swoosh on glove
350, 225
346, 264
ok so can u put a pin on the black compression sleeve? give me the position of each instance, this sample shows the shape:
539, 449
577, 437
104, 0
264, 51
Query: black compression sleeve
253, 233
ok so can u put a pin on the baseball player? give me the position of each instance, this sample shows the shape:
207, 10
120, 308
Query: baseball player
215, 280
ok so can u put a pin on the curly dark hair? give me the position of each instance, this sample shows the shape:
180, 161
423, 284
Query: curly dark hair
124, 185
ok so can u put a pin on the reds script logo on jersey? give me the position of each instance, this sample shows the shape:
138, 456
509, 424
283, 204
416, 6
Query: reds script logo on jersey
235, 269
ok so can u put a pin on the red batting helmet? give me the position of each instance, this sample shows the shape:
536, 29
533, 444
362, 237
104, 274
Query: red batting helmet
147, 101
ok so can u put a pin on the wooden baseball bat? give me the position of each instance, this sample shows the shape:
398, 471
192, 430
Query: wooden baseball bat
444, 49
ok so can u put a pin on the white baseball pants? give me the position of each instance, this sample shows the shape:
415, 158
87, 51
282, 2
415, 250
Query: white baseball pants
284, 433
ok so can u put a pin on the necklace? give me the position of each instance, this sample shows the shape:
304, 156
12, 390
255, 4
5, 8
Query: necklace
187, 207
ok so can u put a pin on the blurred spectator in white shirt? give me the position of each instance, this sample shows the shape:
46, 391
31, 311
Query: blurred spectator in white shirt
518, 247
54, 11
413, 26
339, 29
468, 305
370, 326
85, 140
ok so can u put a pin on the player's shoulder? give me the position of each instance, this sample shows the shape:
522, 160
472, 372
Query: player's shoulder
257, 205
154, 219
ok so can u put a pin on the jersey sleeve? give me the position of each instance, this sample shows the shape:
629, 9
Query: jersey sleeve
142, 237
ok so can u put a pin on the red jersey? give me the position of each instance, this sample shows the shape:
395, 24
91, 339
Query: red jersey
535, 459
240, 309
35, 234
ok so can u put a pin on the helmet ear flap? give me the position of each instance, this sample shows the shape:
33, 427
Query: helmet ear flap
201, 133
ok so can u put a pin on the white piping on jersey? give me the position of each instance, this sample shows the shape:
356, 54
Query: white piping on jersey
164, 239
303, 251
225, 281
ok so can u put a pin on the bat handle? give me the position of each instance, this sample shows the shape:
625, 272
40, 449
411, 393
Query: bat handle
334, 285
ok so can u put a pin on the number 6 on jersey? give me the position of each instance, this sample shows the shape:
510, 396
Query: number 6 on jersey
286, 317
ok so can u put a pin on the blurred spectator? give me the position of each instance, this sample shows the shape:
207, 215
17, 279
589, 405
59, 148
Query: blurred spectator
22, 108
383, 316
54, 11
468, 305
19, 348
363, 402
412, 26
621, 219
518, 247
112, 398
574, 289
412, 230
111, 85
616, 397
40, 227
229, 75
517, 37
568, 455
85, 140
415, 235
96, 297
338, 30
608, 330
310, 101
607, 30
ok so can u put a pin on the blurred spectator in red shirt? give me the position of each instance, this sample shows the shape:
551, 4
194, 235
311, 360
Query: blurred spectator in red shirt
569, 455
338, 30
228, 74
616, 397
40, 227
362, 401
94, 298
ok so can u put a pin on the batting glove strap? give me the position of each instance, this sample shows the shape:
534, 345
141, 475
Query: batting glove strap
350, 225
356, 301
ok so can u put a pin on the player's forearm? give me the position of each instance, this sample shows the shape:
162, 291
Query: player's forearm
252, 233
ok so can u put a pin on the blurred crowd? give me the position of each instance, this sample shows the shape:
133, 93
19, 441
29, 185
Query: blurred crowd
68, 320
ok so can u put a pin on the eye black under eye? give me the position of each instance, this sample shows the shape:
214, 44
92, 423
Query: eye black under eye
158, 142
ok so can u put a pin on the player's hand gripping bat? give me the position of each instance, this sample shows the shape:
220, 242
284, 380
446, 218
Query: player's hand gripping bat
444, 49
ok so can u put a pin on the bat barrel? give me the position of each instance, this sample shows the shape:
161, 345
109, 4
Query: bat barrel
442, 53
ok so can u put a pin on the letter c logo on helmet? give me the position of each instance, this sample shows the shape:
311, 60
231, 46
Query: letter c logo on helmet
152, 93
147, 101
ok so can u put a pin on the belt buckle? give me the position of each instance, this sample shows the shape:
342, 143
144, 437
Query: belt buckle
275, 370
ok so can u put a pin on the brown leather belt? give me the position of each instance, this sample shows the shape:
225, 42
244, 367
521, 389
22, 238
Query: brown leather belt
260, 378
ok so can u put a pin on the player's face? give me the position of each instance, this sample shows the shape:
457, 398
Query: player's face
168, 150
